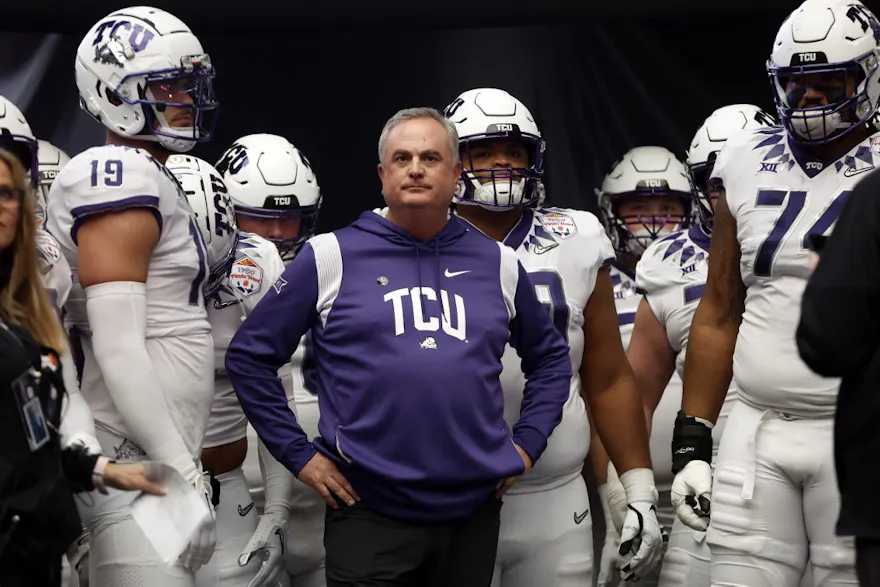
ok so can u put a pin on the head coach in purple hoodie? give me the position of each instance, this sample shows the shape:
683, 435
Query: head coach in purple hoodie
410, 313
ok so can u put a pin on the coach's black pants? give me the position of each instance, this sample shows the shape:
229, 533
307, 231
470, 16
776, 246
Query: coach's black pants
868, 562
365, 549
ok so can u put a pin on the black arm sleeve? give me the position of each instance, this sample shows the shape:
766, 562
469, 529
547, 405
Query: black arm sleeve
78, 465
840, 310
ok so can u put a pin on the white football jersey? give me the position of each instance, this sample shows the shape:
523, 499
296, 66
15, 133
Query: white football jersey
55, 270
625, 300
257, 266
115, 177
562, 251
672, 276
779, 196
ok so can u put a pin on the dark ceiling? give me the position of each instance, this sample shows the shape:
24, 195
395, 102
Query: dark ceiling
280, 16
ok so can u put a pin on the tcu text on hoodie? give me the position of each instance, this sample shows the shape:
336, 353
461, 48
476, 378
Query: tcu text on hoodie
408, 338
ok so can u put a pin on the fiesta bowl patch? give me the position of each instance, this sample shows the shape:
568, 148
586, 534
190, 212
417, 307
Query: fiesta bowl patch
246, 276
561, 225
48, 248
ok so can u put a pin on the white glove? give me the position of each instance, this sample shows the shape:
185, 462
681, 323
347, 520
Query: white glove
609, 564
614, 498
641, 540
691, 494
78, 558
204, 537
268, 543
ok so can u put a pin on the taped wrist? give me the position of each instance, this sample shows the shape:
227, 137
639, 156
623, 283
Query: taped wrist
691, 441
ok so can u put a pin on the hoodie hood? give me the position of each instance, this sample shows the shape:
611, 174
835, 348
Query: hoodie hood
375, 222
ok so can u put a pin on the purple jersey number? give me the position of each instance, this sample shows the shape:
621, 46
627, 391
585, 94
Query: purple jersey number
551, 294
794, 202
309, 369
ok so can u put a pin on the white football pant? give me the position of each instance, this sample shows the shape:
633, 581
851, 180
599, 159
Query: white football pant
305, 537
775, 503
546, 538
236, 523
120, 554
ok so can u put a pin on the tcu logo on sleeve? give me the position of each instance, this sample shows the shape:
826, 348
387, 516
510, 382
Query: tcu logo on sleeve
422, 320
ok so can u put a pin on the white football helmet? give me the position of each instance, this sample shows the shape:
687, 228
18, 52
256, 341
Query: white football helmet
486, 114
50, 160
831, 37
707, 143
136, 63
212, 207
270, 179
643, 172
16, 136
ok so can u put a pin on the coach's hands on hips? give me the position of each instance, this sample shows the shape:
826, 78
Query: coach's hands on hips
691, 495
511, 481
641, 540
321, 474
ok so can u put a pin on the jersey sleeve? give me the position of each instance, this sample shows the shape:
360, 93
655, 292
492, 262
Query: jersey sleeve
109, 179
594, 243
732, 164
257, 266
55, 271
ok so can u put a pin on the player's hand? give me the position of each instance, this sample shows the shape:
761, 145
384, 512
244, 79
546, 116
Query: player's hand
204, 537
321, 474
609, 564
614, 499
691, 495
511, 481
641, 540
130, 477
268, 543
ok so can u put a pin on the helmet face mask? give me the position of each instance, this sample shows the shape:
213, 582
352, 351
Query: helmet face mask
274, 190
825, 70
144, 75
489, 117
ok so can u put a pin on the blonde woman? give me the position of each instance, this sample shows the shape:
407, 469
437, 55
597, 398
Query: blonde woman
38, 518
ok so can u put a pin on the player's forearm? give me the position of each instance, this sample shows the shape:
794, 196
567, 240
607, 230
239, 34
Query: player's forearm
277, 481
620, 422
708, 368
117, 318
598, 457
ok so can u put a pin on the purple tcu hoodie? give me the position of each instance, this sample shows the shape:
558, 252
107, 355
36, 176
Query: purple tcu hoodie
408, 337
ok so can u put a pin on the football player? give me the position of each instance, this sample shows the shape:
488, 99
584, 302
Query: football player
123, 222
275, 194
671, 275
241, 266
645, 196
774, 503
546, 534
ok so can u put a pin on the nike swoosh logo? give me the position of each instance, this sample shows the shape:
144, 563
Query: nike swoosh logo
449, 273
580, 518
543, 249
849, 171
244, 511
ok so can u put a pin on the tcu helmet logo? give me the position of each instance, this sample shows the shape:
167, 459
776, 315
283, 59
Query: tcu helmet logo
233, 160
456, 329
449, 111
860, 14
764, 119
281, 200
122, 42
